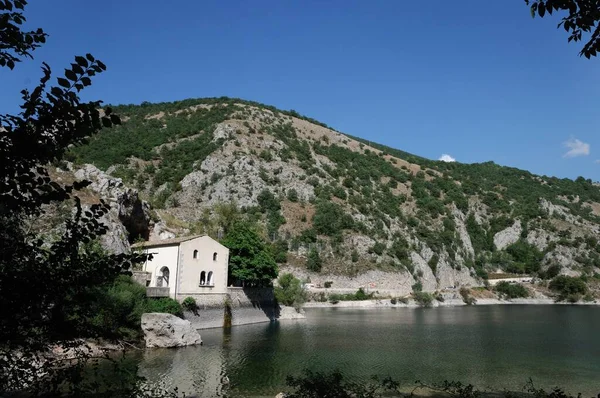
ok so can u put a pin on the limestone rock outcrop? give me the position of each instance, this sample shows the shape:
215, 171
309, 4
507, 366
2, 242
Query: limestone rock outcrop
286, 312
166, 330
508, 236
129, 216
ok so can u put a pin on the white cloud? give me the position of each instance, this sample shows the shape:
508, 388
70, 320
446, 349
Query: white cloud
576, 148
446, 158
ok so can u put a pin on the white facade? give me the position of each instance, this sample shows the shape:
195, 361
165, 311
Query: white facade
187, 266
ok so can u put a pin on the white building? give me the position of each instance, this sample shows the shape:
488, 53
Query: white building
187, 266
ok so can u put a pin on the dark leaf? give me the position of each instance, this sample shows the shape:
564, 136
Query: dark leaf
64, 82
89, 57
77, 69
70, 75
81, 61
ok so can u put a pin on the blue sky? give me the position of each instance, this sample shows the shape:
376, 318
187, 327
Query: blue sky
477, 80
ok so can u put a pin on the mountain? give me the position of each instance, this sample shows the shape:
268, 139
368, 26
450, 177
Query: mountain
374, 215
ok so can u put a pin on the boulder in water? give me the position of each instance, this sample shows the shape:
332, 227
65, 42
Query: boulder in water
166, 330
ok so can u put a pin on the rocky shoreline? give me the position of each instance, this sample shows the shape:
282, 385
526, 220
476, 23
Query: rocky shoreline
386, 303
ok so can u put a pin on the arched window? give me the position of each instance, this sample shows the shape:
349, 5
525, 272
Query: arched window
210, 281
195, 253
162, 278
202, 278
215, 256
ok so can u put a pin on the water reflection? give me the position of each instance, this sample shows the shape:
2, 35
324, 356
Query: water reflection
492, 346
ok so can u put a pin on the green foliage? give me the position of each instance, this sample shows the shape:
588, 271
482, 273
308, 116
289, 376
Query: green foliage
399, 248
479, 238
378, 248
417, 287
359, 295
250, 260
292, 195
290, 291
113, 310
279, 250
527, 257
511, 290
165, 305
551, 272
267, 201
189, 304
314, 262
433, 263
354, 256
423, 299
42, 277
330, 218
332, 385
568, 287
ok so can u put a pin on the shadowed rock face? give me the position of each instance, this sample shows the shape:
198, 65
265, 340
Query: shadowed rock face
166, 330
129, 218
134, 215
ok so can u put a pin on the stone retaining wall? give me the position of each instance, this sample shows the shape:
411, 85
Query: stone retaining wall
248, 305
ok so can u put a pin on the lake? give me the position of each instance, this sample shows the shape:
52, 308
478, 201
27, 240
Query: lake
495, 347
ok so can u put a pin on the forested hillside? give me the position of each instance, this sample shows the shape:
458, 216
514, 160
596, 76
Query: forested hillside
352, 205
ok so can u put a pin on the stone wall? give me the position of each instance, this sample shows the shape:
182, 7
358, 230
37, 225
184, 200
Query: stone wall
248, 305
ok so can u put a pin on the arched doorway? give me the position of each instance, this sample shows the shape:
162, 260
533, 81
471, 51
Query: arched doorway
162, 278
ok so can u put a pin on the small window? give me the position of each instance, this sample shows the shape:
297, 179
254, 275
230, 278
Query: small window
215, 256
202, 278
210, 281
195, 253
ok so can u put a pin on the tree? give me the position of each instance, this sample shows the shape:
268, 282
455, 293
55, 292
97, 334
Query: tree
583, 16
38, 274
250, 258
314, 262
290, 291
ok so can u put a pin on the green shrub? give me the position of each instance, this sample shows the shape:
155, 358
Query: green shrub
292, 195
354, 256
267, 201
189, 304
527, 256
328, 284
280, 249
568, 287
417, 287
314, 262
423, 299
360, 295
393, 300
552, 272
511, 290
165, 305
377, 248
330, 218
290, 291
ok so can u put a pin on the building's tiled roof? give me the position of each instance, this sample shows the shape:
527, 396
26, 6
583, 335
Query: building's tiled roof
166, 242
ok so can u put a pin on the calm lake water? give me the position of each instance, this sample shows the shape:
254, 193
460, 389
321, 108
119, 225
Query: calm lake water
490, 346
